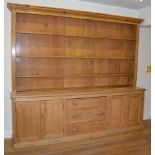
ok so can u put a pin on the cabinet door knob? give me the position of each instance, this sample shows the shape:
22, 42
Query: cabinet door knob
99, 126
74, 103
75, 129
74, 116
100, 113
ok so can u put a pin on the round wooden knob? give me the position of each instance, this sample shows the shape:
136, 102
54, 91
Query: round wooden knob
75, 129
100, 126
74, 116
100, 113
74, 103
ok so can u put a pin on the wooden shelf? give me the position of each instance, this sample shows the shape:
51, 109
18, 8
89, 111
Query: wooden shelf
71, 91
94, 37
74, 57
61, 76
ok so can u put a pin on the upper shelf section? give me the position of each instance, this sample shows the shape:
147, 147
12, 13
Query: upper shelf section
62, 26
72, 13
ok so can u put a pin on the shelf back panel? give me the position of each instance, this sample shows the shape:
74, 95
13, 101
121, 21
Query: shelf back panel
62, 52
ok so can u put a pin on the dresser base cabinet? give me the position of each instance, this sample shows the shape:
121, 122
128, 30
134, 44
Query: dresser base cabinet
47, 119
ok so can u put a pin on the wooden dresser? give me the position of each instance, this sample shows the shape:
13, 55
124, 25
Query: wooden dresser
73, 75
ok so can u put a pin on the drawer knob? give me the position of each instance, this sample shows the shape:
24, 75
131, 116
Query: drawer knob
99, 126
100, 113
74, 116
74, 103
75, 129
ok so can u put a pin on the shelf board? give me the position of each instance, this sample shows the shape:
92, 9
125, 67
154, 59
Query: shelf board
74, 57
71, 91
94, 37
61, 76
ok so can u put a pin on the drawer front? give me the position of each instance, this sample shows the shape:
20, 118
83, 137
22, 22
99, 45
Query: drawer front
87, 127
85, 103
86, 114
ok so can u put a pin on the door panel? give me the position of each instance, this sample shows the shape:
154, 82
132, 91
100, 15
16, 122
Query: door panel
53, 118
116, 112
28, 122
134, 109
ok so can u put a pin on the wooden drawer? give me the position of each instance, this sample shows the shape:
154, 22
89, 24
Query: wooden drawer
86, 127
86, 114
85, 102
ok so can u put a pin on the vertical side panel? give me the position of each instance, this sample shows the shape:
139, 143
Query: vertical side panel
14, 125
13, 51
136, 56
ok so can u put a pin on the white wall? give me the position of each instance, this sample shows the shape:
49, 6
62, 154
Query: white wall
79, 5
68, 4
145, 14
144, 60
7, 74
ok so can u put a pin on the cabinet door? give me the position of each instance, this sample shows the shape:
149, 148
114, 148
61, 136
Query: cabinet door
28, 124
53, 118
134, 109
116, 112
